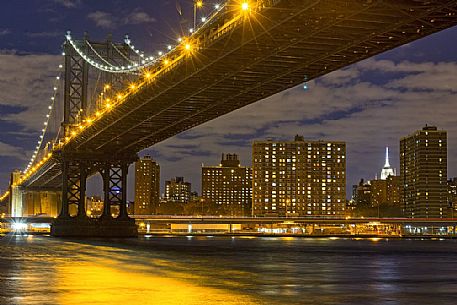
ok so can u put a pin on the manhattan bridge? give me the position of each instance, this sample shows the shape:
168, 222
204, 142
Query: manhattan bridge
117, 100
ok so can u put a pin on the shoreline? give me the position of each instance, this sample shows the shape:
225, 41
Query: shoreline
260, 235
336, 236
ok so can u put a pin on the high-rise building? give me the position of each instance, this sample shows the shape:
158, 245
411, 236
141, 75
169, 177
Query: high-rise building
387, 170
177, 190
228, 185
147, 186
378, 192
361, 194
452, 197
423, 172
393, 190
299, 178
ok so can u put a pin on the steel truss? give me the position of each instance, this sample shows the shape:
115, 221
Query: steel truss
77, 75
75, 89
75, 171
115, 188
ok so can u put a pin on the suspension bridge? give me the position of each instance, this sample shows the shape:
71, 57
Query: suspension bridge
242, 52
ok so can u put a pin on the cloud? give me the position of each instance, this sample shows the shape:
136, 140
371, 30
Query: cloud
44, 34
102, 19
107, 20
26, 81
138, 17
69, 3
7, 150
4, 32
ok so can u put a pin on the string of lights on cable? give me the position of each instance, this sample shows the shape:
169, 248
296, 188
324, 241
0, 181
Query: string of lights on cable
144, 61
46, 122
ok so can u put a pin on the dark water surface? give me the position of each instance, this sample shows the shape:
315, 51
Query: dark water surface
225, 270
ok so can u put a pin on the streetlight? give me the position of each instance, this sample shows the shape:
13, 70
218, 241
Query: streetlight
197, 4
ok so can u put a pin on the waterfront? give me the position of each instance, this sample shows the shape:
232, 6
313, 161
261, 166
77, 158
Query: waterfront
225, 270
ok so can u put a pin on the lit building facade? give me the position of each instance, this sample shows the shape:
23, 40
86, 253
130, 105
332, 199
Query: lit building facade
393, 190
452, 197
229, 185
147, 186
299, 178
361, 194
378, 192
177, 190
423, 172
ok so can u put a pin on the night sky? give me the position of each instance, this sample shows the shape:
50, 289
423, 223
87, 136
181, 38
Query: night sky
368, 105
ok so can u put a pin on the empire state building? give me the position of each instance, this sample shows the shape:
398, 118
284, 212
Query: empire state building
387, 170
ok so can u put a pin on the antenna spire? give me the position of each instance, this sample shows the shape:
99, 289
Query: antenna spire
387, 158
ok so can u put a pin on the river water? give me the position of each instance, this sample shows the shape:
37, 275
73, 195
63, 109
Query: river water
225, 270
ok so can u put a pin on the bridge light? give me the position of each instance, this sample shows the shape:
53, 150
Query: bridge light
188, 46
107, 87
73, 133
132, 86
199, 3
169, 47
89, 121
217, 6
97, 113
119, 96
245, 6
147, 75
203, 19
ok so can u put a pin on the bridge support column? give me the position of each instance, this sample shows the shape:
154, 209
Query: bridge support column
76, 223
16, 198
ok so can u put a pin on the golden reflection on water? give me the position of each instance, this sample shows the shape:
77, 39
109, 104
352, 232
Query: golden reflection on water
106, 281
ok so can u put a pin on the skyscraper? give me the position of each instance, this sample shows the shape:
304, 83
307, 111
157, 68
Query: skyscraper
387, 170
229, 185
177, 190
147, 186
423, 173
393, 190
299, 178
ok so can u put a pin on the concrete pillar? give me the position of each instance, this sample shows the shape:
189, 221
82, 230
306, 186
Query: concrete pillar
16, 201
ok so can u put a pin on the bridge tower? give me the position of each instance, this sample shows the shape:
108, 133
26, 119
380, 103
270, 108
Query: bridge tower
16, 195
76, 165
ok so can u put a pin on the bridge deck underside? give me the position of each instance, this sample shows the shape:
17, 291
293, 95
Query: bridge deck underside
272, 50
